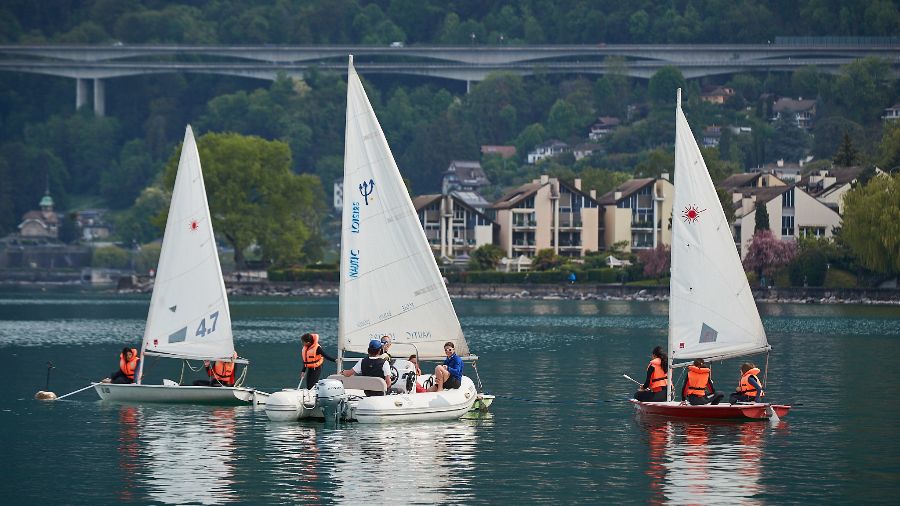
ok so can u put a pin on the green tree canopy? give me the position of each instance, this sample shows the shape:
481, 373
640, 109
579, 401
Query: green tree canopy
485, 257
870, 225
254, 197
664, 84
761, 218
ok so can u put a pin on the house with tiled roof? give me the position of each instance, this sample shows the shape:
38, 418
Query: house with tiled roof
452, 226
602, 127
638, 212
464, 175
792, 211
546, 150
830, 185
547, 213
801, 112
43, 223
717, 95
892, 112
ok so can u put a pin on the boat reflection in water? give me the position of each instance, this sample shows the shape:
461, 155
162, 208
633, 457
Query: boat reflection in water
374, 464
705, 463
178, 455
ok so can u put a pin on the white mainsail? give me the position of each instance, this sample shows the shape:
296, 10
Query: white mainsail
390, 282
712, 313
189, 315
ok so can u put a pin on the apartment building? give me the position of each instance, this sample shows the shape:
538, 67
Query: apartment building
638, 212
792, 211
829, 186
452, 226
547, 213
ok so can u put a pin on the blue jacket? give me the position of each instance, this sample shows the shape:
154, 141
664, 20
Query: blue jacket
454, 365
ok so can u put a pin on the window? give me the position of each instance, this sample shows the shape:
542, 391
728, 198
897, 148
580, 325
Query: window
787, 226
812, 231
787, 199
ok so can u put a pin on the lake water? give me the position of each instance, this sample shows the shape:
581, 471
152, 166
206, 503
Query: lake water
559, 431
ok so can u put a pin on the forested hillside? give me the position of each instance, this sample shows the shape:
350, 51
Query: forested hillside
117, 161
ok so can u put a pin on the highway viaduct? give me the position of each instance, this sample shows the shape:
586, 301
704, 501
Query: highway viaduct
465, 63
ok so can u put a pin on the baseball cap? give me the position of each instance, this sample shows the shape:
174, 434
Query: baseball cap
375, 343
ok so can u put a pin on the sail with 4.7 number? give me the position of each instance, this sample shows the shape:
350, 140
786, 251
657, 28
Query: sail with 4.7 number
712, 314
189, 317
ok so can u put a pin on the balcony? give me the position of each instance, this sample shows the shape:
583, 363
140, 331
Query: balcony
569, 221
524, 224
642, 225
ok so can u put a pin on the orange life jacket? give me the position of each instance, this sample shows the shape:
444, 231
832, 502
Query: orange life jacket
744, 387
223, 372
697, 380
658, 379
129, 367
311, 356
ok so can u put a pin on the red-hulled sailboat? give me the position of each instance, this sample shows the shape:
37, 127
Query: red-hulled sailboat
712, 314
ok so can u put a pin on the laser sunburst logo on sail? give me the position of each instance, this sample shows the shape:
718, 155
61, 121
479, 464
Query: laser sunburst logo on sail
691, 213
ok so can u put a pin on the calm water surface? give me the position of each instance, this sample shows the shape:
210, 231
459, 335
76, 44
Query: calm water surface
559, 431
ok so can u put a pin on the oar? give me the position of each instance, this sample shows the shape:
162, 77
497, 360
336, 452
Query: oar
632, 379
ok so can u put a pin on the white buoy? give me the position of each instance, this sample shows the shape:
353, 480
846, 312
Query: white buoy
45, 396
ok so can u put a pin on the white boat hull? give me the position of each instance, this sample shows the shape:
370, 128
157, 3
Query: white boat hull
421, 407
114, 392
290, 405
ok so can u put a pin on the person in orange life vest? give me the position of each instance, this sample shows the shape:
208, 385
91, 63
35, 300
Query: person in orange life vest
749, 388
698, 388
128, 366
221, 374
654, 387
313, 357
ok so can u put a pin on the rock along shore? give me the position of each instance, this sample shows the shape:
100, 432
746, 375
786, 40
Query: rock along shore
590, 291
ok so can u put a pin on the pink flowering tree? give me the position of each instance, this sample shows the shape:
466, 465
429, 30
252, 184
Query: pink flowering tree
656, 261
768, 253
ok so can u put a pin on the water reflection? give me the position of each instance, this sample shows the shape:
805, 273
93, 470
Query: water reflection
399, 463
185, 455
704, 462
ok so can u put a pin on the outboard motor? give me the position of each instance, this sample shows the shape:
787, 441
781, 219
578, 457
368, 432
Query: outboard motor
330, 396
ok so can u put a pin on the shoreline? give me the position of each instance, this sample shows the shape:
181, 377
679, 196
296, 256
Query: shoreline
529, 291
587, 291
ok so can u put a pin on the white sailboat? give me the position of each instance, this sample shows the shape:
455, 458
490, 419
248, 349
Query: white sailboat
712, 314
390, 286
189, 318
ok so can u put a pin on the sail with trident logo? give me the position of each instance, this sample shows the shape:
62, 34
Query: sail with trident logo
712, 314
390, 283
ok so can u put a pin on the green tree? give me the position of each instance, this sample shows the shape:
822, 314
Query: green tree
142, 223
828, 133
545, 260
870, 224
889, 148
110, 257
562, 122
789, 142
727, 204
254, 198
530, 137
485, 257
664, 84
69, 231
846, 155
762, 218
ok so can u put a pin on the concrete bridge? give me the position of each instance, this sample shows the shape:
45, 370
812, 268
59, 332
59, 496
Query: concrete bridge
465, 63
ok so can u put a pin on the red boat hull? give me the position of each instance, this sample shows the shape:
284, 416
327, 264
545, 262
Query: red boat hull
719, 412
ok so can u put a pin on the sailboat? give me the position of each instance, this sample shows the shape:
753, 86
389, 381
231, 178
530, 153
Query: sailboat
712, 314
189, 318
390, 285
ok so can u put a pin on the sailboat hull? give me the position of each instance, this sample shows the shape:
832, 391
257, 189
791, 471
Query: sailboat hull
179, 394
756, 411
